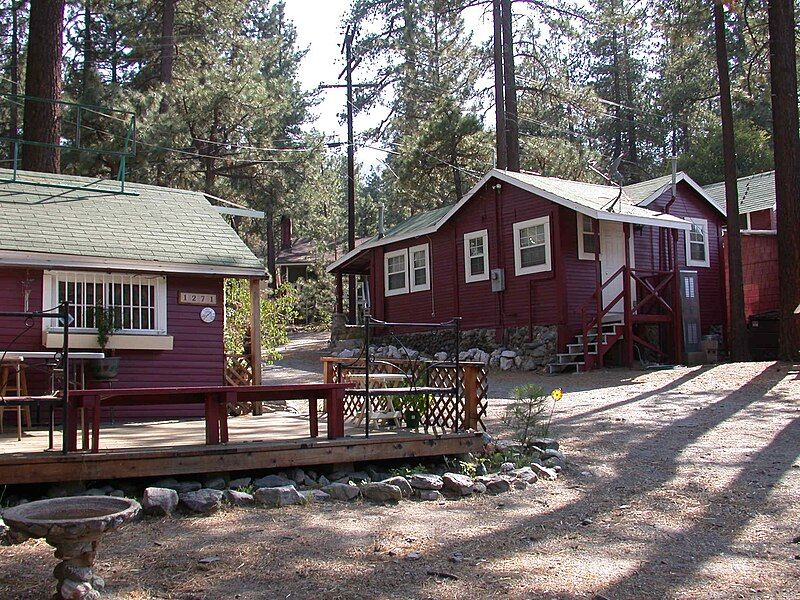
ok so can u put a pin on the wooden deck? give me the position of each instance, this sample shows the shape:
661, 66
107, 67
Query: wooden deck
176, 447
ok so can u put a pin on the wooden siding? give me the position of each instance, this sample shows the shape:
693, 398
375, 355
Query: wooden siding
759, 272
195, 360
762, 219
649, 243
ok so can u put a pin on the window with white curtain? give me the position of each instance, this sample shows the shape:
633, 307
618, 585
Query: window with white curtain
476, 255
697, 243
532, 246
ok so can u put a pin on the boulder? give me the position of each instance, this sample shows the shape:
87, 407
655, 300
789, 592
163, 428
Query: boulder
544, 472
237, 498
553, 453
159, 501
239, 483
457, 484
440, 356
545, 443
429, 495
520, 484
341, 491
323, 481
525, 474
495, 484
4, 531
507, 467
203, 501
275, 497
402, 483
508, 354
425, 481
215, 483
381, 492
273, 481
315, 495
183, 487
298, 476
506, 363
478, 488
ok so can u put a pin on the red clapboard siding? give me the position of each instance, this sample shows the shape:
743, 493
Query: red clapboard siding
649, 242
197, 357
762, 219
759, 273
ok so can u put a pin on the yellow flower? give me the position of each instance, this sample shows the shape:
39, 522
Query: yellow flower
557, 394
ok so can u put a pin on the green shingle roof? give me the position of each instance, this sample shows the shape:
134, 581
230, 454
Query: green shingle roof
756, 192
158, 225
639, 192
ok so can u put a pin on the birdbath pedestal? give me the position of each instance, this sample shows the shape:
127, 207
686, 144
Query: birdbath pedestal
74, 526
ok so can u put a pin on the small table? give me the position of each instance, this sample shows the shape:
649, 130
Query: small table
78, 357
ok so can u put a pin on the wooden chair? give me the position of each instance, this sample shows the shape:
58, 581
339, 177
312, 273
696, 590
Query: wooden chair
17, 384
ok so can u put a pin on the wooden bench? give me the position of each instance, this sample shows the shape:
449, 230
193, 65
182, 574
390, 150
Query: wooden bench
215, 400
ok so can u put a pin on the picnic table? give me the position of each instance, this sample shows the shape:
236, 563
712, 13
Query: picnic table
215, 400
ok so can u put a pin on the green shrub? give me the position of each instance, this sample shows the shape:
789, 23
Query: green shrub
530, 413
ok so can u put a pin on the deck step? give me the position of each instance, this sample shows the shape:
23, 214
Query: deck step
576, 366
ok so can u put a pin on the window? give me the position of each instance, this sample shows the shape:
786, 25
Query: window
139, 302
532, 246
476, 256
587, 242
744, 221
420, 269
697, 244
395, 275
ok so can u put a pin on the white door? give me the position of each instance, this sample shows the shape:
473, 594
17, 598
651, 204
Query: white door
612, 257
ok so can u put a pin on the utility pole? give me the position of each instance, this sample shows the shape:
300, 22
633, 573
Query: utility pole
501, 151
736, 326
351, 175
510, 91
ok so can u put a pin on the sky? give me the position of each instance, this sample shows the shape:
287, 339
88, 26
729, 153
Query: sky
319, 29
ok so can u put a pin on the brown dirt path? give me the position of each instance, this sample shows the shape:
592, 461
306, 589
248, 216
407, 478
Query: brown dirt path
680, 484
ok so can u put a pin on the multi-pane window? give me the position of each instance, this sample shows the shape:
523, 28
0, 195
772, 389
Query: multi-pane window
532, 246
137, 301
587, 240
476, 256
396, 281
419, 268
697, 244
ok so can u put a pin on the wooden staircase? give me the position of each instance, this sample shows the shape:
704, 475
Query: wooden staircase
574, 358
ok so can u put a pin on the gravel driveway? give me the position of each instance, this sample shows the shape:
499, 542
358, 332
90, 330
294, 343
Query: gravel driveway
680, 484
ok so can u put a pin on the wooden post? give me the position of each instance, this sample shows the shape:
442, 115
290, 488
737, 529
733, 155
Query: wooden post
339, 294
327, 371
255, 337
335, 402
677, 325
598, 361
626, 287
471, 396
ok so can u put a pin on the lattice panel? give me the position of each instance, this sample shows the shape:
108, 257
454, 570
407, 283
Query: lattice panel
238, 370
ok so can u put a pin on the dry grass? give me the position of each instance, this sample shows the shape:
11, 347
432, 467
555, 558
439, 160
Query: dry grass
689, 479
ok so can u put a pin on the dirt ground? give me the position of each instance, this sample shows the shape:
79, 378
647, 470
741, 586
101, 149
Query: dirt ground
679, 484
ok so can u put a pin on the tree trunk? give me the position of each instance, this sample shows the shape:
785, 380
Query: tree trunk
167, 48
88, 54
737, 332
42, 120
510, 89
499, 97
783, 77
617, 98
13, 125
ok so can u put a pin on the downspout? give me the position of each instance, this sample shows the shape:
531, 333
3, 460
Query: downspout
430, 275
667, 247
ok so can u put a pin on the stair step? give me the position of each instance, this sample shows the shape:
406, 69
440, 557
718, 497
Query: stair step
578, 366
577, 348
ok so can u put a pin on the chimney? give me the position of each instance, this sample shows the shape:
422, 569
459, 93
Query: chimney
286, 232
381, 231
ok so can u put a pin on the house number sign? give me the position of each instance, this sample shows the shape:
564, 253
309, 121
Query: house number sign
198, 299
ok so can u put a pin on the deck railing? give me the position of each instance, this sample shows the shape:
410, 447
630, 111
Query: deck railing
445, 412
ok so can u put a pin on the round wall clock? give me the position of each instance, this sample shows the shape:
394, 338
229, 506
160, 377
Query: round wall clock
208, 314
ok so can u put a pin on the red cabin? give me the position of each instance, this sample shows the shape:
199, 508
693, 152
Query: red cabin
521, 251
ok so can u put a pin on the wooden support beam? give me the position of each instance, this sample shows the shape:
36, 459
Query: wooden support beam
628, 299
255, 337
677, 313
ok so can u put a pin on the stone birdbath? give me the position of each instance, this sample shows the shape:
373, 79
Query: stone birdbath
74, 526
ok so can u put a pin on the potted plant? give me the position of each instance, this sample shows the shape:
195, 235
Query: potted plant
414, 406
108, 367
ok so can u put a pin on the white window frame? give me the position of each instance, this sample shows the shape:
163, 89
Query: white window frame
50, 296
582, 253
483, 235
411, 268
404, 290
748, 224
547, 265
703, 225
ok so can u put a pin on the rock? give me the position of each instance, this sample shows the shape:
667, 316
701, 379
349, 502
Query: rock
4, 531
94, 492
70, 488
341, 491
298, 476
545, 443
430, 495
183, 487
275, 497
239, 483
525, 474
413, 555
506, 364
273, 481
480, 469
494, 362
315, 496
508, 354
337, 475
159, 501
402, 483
347, 353
215, 483
520, 484
544, 472
507, 467
237, 498
381, 492
117, 494
440, 356
457, 484
203, 501
495, 484
555, 463
478, 488
425, 481
553, 453
323, 481
529, 364
359, 477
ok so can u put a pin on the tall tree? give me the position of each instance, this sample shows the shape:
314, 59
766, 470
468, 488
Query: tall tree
167, 47
783, 75
42, 119
736, 326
